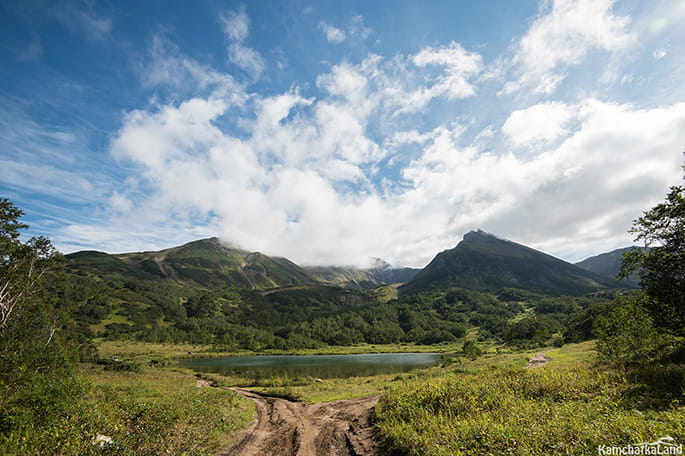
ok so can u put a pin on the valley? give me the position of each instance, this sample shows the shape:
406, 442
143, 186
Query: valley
206, 293
150, 329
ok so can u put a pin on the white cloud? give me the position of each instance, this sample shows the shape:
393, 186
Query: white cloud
284, 189
333, 34
310, 178
246, 58
561, 37
236, 26
540, 123
459, 65
358, 28
627, 79
659, 53
166, 65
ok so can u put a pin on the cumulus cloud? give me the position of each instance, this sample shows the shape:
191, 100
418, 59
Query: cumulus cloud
562, 36
285, 187
358, 170
540, 123
459, 65
236, 26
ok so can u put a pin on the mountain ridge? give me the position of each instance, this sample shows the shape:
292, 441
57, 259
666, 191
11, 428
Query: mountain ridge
209, 263
485, 262
608, 264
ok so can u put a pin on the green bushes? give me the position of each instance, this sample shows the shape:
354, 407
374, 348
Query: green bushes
627, 335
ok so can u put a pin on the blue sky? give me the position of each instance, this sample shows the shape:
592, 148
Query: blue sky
334, 132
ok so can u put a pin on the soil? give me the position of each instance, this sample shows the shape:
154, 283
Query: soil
286, 427
538, 360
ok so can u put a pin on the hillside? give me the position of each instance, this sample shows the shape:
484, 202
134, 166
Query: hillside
205, 264
209, 264
608, 265
381, 273
485, 262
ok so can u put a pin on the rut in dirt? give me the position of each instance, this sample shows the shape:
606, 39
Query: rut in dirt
292, 428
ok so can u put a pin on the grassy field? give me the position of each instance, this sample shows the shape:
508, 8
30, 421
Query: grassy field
148, 412
489, 405
493, 406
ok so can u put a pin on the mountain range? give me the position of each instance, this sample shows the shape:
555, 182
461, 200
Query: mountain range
481, 261
210, 264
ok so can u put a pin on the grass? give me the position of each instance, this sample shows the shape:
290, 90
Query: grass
489, 405
163, 412
492, 406
150, 412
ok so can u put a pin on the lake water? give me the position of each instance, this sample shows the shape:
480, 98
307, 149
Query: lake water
319, 366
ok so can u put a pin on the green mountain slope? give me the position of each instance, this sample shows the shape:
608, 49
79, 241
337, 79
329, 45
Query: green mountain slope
487, 263
205, 264
90, 262
349, 277
608, 265
210, 265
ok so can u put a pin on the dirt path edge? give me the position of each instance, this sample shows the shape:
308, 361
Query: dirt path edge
284, 427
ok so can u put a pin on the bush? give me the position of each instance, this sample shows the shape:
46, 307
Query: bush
628, 336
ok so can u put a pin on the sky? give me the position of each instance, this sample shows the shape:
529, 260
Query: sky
335, 132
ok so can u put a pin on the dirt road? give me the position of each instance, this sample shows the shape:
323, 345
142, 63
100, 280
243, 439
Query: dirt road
283, 427
538, 360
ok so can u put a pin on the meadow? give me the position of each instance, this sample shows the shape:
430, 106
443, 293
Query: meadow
144, 411
493, 405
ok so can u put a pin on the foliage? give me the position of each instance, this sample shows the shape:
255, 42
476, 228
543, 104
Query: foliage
627, 334
651, 327
312, 316
38, 343
471, 349
661, 268
22, 265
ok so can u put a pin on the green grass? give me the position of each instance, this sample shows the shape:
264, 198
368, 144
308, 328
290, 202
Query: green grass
493, 406
490, 405
151, 412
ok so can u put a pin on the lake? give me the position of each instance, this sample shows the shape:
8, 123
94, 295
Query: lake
319, 366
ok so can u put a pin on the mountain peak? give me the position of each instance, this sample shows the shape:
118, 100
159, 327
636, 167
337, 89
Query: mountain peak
479, 234
380, 264
483, 261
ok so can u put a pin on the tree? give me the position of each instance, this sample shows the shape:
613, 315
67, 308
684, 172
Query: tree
471, 349
22, 265
661, 267
626, 334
